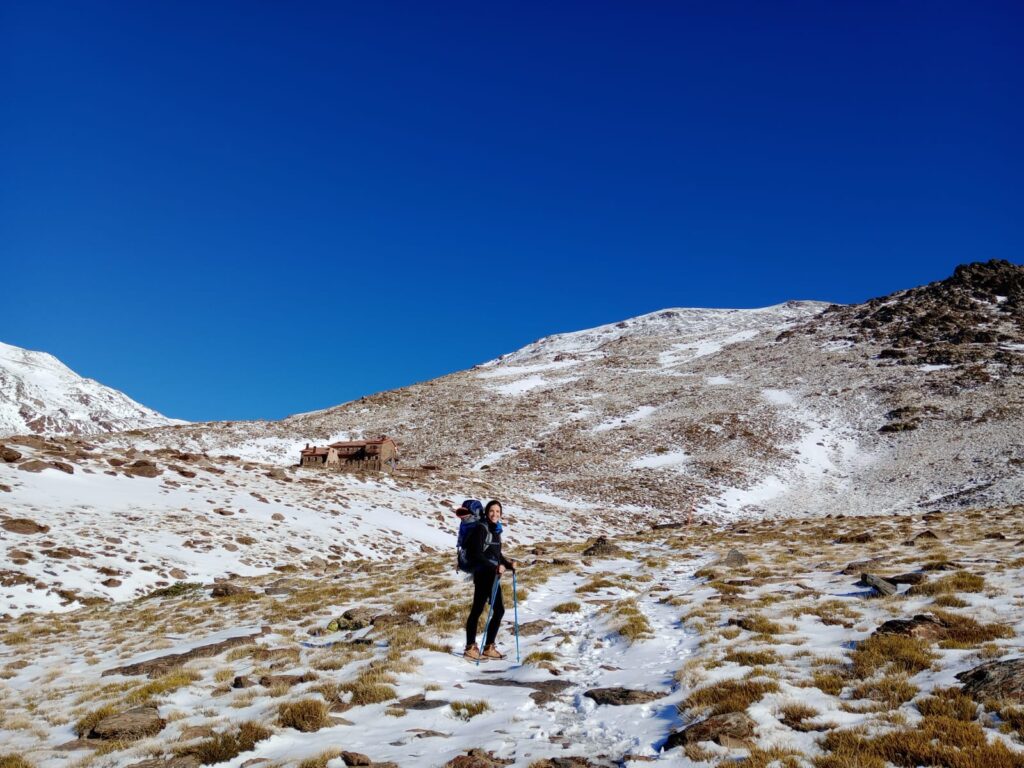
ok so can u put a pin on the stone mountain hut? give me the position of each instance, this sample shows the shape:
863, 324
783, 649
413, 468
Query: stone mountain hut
378, 455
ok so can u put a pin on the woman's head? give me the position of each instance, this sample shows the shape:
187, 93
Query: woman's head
493, 510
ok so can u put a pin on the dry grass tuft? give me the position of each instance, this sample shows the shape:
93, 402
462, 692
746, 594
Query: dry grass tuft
467, 710
828, 681
775, 757
630, 621
892, 690
306, 715
570, 607
959, 581
14, 761
891, 653
965, 632
321, 760
225, 746
166, 684
728, 696
753, 658
793, 715
539, 657
950, 703
934, 741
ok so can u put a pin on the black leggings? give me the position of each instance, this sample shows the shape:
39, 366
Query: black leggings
483, 583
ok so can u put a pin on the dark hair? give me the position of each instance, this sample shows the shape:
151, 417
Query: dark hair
491, 503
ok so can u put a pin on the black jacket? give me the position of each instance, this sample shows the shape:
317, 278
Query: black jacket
482, 556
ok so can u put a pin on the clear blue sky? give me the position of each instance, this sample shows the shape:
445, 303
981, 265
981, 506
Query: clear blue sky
250, 209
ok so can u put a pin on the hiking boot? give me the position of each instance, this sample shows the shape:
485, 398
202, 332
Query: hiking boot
472, 653
491, 652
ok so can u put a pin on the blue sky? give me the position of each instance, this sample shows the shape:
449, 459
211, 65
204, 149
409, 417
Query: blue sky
246, 210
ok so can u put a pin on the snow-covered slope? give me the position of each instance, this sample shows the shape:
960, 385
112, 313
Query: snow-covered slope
39, 394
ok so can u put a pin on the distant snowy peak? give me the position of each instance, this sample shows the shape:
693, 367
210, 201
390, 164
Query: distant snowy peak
39, 394
681, 323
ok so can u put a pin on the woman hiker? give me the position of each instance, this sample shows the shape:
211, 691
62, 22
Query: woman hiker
483, 550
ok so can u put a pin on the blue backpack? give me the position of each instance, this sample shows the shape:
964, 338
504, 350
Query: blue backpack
465, 528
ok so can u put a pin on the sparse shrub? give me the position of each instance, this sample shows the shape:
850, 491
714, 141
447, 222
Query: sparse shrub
467, 710
893, 653
728, 696
225, 746
570, 607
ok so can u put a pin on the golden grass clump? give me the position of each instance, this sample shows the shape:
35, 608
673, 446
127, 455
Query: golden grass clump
595, 584
728, 696
539, 657
949, 601
321, 760
950, 703
306, 715
570, 607
760, 658
165, 684
958, 581
965, 632
828, 681
225, 746
892, 690
933, 741
630, 621
410, 606
759, 625
830, 612
793, 715
14, 761
891, 653
775, 757
467, 710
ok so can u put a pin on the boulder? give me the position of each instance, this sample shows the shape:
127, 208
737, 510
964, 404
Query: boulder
242, 681
621, 696
882, 586
733, 729
735, 559
996, 680
142, 468
24, 526
923, 626
35, 465
421, 702
133, 724
355, 758
229, 589
535, 627
353, 618
922, 538
543, 691
9, 455
477, 758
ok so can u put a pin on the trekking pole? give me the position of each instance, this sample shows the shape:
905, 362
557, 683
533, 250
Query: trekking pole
490, 610
515, 608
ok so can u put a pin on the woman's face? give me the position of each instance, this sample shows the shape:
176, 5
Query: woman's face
494, 513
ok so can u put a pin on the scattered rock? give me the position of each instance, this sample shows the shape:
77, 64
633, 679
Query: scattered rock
355, 758
24, 526
531, 628
543, 691
477, 758
229, 589
730, 730
570, 761
882, 586
923, 626
996, 680
922, 538
735, 559
9, 455
133, 724
269, 681
111, 583
602, 547
182, 761
36, 465
142, 468
858, 566
906, 578
242, 681
195, 732
621, 696
164, 664
353, 618
855, 538
420, 702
